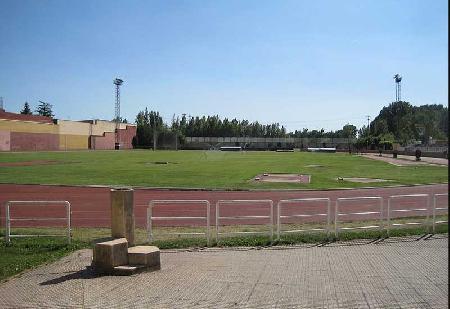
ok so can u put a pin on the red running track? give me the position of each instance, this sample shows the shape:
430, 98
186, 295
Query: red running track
91, 205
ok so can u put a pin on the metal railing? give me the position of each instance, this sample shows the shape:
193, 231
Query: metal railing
150, 217
286, 202
389, 210
218, 217
363, 213
438, 208
8, 218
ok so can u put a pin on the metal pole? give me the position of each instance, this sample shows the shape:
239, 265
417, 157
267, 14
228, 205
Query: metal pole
271, 221
8, 224
69, 230
388, 216
381, 214
149, 223
217, 222
428, 213
336, 218
328, 217
278, 220
208, 214
434, 213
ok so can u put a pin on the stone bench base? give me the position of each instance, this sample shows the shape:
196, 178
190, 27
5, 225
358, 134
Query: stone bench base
115, 258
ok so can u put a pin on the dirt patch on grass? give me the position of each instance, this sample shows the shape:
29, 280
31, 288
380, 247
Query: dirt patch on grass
30, 163
160, 163
362, 179
287, 178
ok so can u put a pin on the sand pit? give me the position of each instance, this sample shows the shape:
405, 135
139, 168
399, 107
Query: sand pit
363, 180
286, 178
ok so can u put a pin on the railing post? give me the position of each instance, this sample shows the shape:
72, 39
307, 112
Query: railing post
381, 214
429, 228
388, 221
328, 217
8, 224
271, 221
208, 223
217, 222
149, 223
336, 215
434, 213
278, 219
69, 228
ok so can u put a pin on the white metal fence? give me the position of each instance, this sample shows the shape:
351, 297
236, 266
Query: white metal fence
285, 203
338, 214
241, 202
390, 210
435, 208
151, 218
8, 218
376, 212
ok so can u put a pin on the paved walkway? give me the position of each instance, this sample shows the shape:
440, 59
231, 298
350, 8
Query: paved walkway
403, 160
388, 274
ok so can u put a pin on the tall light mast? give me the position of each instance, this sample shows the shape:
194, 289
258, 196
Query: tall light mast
398, 87
118, 82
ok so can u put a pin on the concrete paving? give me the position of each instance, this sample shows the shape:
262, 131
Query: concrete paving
394, 273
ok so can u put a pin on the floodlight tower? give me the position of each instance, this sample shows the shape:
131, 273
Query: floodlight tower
117, 82
398, 87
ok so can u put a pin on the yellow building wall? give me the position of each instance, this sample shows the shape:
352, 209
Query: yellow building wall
101, 127
28, 126
73, 142
74, 127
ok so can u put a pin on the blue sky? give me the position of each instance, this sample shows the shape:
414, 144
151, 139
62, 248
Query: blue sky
313, 64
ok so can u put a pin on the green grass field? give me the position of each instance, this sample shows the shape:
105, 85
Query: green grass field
207, 169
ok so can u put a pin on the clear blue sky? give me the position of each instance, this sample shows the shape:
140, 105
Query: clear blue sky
314, 64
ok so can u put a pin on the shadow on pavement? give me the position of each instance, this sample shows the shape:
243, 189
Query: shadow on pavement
87, 273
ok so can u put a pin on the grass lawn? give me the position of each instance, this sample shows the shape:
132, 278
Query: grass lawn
28, 253
207, 169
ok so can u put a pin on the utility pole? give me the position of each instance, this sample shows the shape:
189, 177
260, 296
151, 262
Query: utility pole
368, 130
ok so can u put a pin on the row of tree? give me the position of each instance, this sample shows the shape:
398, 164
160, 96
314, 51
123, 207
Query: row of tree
402, 122
43, 109
398, 122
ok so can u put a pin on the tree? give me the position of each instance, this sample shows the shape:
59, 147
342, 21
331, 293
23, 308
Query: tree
26, 109
349, 131
45, 109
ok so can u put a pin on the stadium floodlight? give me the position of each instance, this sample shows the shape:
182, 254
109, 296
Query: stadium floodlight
118, 82
398, 87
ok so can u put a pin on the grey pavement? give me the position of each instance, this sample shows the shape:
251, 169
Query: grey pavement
395, 273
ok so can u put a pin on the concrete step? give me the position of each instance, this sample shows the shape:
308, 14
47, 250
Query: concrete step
110, 254
144, 255
127, 270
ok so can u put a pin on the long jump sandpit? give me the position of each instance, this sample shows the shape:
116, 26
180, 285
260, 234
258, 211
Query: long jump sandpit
91, 205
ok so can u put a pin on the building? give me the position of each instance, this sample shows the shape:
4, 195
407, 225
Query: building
39, 133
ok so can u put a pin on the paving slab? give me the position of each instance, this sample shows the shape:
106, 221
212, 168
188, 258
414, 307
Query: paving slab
399, 273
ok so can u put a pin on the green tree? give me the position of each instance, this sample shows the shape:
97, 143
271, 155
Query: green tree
45, 109
26, 109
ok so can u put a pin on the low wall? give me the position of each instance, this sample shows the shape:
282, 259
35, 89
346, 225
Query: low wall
126, 137
107, 141
5, 141
34, 141
73, 142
